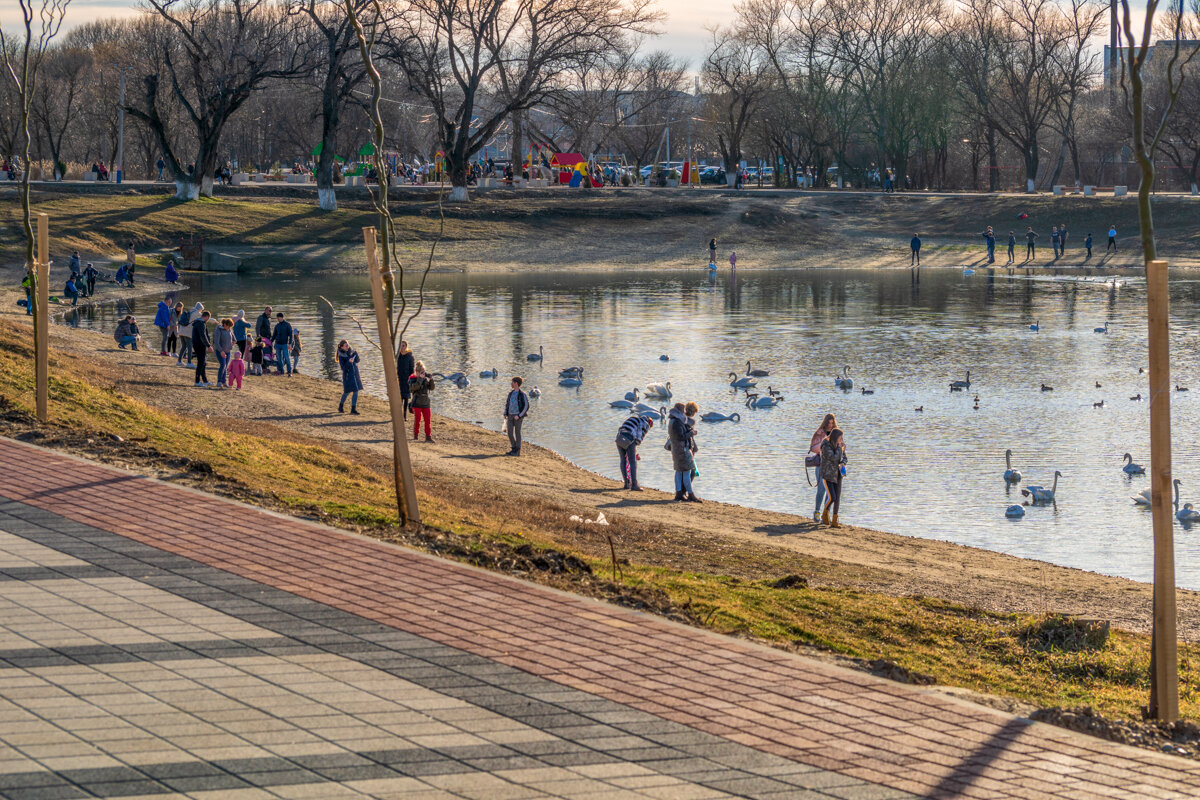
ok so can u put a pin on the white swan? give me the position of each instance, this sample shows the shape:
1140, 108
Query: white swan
462, 382
570, 372
452, 377
643, 410
659, 390
741, 383
958, 386
1010, 475
843, 381
1131, 468
1142, 498
535, 356
1041, 494
633, 396
754, 401
1101, 330
757, 373
620, 404
1036, 326
713, 416
490, 373
571, 381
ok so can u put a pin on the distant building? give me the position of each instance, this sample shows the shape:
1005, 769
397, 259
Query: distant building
1114, 63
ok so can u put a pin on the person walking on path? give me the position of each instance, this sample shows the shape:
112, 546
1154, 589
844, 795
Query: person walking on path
186, 333
833, 457
712, 251
629, 436
406, 364
127, 333
1054, 240
915, 245
1012, 247
989, 238
351, 380
89, 275
1030, 238
1112, 239
223, 346
262, 327
421, 385
241, 331
237, 370
161, 166
162, 321
516, 406
1088, 244
682, 444
281, 337
173, 328
813, 459
202, 346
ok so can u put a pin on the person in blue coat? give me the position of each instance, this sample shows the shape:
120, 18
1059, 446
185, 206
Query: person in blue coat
162, 321
915, 245
351, 380
71, 291
171, 274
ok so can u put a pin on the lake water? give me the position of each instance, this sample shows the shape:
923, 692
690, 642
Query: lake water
935, 473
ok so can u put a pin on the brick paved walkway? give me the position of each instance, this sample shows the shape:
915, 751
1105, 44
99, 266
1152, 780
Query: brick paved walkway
160, 642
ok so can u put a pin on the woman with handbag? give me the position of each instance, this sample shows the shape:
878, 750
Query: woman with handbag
813, 459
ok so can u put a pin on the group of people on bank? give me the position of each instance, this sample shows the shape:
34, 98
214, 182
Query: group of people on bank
1058, 241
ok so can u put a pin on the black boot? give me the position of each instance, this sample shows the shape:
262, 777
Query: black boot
626, 486
679, 496
353, 410
691, 498
341, 409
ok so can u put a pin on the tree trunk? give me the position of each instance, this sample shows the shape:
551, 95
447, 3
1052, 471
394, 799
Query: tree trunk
459, 169
993, 160
1031, 168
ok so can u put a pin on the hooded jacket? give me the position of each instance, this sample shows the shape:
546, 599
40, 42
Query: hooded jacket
832, 459
240, 326
680, 441
162, 317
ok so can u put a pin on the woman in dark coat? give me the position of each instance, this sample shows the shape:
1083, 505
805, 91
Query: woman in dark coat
351, 381
406, 364
682, 444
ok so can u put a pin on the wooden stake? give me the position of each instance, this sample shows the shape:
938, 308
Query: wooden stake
406, 485
1164, 675
42, 320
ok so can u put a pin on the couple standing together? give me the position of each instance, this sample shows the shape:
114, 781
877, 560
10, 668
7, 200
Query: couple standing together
827, 452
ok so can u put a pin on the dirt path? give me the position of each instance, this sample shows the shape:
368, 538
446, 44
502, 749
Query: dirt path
469, 459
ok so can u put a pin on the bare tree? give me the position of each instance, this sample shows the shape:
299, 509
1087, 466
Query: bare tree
58, 98
478, 61
1077, 67
737, 79
214, 54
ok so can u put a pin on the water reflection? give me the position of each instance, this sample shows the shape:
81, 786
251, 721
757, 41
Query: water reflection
905, 333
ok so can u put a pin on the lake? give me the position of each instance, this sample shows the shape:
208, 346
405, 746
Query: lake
935, 473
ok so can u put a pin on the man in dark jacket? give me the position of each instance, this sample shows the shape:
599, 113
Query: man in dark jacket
89, 274
262, 326
202, 346
629, 436
282, 339
515, 409
405, 364
915, 244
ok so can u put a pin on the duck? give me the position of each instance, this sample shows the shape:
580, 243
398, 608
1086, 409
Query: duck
754, 401
659, 390
1036, 326
713, 416
1187, 513
1041, 494
773, 392
1046, 388
490, 373
1142, 498
757, 373
1179, 388
1137, 397
1131, 468
958, 386
664, 357
1101, 330
919, 409
536, 356
1098, 386
843, 382
1141, 370
741, 383
868, 391
571, 381
633, 396
1010, 475
1098, 405
535, 392
1014, 512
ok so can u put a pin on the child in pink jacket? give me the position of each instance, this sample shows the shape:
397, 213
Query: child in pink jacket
237, 369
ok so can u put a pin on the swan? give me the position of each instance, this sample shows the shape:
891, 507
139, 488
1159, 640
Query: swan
1041, 494
620, 404
1010, 475
659, 390
462, 382
535, 356
453, 377
1131, 468
571, 381
741, 383
490, 373
1142, 498
643, 410
1046, 388
713, 416
868, 391
535, 392
754, 401
570, 372
1036, 326
1187, 513
843, 382
633, 396
958, 386
1101, 330
757, 373
1014, 512
664, 357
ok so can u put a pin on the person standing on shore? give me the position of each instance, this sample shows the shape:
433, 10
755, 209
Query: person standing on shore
74, 265
1112, 239
833, 457
1030, 238
733, 259
162, 321
813, 459
915, 246
351, 380
281, 337
421, 385
406, 364
237, 370
90, 274
629, 436
186, 320
1054, 240
262, 327
712, 251
296, 348
1062, 240
516, 406
27, 285
241, 332
682, 444
223, 346
1012, 247
989, 238
173, 328
202, 347
1088, 244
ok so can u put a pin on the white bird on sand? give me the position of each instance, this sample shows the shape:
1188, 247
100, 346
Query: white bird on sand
659, 390
1041, 494
1131, 468
1010, 475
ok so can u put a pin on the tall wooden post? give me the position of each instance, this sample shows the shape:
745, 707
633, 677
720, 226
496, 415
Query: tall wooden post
406, 485
1164, 675
42, 320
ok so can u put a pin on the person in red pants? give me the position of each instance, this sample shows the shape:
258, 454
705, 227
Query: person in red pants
420, 385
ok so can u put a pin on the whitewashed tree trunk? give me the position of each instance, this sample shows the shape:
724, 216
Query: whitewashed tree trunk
458, 194
186, 190
1029, 186
328, 199
730, 178
1195, 188
206, 186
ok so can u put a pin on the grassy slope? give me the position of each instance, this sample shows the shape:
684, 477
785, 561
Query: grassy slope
954, 645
